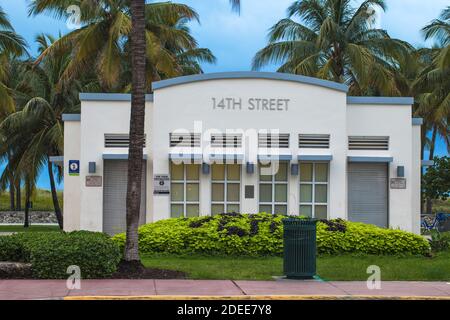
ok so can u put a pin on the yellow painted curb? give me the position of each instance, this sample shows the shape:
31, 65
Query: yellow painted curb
276, 297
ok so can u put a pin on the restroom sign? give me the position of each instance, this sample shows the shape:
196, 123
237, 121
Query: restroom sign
74, 167
161, 184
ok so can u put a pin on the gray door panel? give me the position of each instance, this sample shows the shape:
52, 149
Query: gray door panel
368, 193
115, 177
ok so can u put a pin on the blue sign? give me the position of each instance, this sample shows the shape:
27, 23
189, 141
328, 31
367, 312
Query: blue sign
74, 167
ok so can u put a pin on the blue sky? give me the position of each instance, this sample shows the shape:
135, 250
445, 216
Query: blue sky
233, 38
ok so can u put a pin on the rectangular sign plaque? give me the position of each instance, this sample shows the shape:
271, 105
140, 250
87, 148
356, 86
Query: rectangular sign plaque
398, 183
93, 181
161, 184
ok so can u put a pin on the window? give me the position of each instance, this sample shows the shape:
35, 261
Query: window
273, 188
368, 143
268, 140
185, 140
226, 188
314, 190
185, 190
314, 141
226, 140
118, 140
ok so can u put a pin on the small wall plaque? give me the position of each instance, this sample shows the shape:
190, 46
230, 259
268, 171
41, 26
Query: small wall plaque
93, 181
249, 192
398, 183
161, 184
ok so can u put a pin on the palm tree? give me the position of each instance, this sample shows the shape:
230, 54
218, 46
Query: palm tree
35, 131
434, 83
337, 42
11, 45
10, 42
104, 40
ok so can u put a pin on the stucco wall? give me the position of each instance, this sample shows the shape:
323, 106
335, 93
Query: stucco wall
72, 189
393, 121
98, 118
312, 110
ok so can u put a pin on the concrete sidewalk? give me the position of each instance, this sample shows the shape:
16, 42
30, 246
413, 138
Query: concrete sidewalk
173, 289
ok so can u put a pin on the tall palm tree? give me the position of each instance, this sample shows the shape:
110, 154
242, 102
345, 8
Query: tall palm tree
104, 39
11, 45
335, 41
434, 84
434, 80
35, 131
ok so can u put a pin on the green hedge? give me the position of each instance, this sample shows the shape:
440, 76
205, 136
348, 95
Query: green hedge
50, 253
261, 234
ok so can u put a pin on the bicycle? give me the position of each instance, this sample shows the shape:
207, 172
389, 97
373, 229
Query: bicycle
430, 224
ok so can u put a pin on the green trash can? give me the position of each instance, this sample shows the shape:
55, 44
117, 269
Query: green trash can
299, 239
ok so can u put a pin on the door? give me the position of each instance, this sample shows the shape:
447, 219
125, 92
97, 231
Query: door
368, 193
114, 196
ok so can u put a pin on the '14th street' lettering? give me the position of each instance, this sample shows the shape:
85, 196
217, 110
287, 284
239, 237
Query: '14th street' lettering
252, 104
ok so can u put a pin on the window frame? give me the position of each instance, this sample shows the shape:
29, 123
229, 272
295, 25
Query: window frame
273, 183
313, 184
225, 182
184, 182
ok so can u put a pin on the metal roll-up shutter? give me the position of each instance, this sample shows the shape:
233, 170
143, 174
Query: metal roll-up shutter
114, 196
368, 193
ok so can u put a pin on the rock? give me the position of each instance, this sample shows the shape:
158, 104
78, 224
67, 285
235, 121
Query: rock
15, 270
35, 217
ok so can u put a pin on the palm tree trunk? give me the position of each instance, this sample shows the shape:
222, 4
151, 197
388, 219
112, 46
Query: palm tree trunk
137, 117
433, 143
429, 202
59, 216
27, 203
12, 195
18, 195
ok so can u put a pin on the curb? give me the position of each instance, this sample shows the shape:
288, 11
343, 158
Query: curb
259, 297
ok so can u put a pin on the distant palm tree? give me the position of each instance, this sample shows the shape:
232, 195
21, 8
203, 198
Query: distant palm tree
337, 42
10, 41
11, 45
35, 131
434, 80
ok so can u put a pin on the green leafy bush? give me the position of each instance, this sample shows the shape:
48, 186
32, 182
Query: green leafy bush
11, 249
51, 253
261, 234
440, 241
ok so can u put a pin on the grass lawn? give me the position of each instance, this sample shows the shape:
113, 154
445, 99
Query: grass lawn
42, 200
32, 228
344, 267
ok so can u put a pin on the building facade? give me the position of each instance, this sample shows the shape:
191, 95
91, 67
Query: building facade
246, 142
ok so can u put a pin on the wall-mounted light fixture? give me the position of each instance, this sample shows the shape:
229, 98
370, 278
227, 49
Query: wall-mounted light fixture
250, 168
205, 168
294, 169
92, 167
400, 171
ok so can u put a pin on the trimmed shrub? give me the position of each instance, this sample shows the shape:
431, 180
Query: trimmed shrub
11, 249
261, 234
51, 253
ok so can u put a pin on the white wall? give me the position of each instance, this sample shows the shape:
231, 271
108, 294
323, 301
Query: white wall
416, 178
98, 118
312, 110
394, 121
72, 189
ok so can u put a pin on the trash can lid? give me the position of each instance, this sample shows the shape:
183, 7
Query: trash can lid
299, 221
